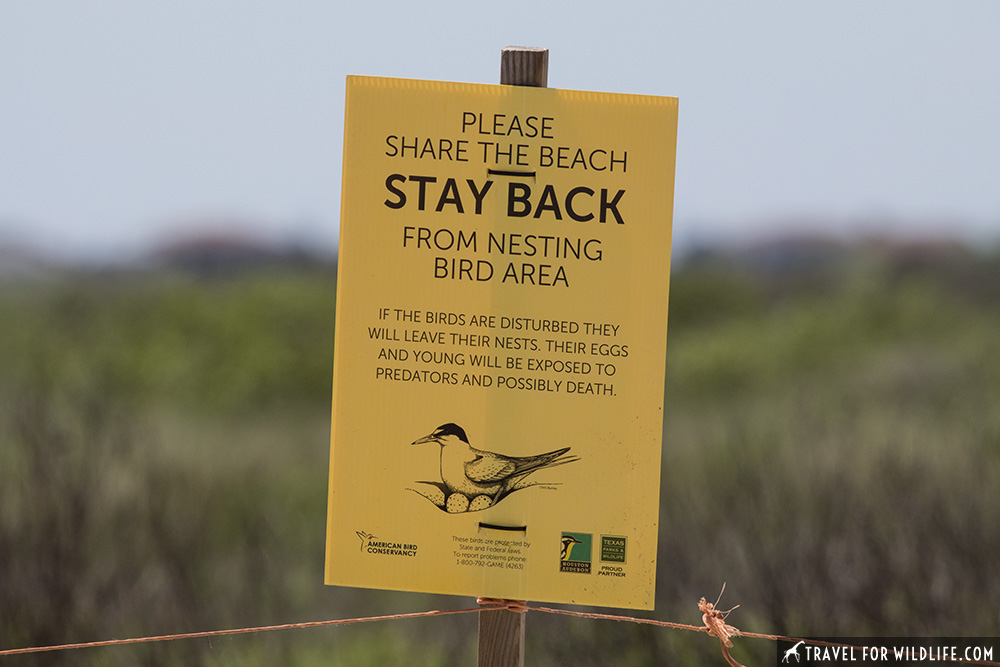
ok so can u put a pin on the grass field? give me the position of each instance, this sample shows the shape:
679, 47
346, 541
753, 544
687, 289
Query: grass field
831, 452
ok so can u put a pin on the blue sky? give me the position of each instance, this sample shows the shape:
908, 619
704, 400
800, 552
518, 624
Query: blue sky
126, 123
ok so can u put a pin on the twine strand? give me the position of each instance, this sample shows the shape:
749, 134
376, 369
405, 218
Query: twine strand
714, 625
236, 631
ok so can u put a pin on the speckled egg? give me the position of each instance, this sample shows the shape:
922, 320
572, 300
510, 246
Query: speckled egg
457, 502
480, 503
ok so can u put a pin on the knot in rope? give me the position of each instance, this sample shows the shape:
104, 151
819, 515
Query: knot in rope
516, 606
715, 622
715, 625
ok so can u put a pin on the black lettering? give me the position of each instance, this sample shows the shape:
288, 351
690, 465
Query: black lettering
428, 148
521, 198
569, 203
592, 154
530, 122
547, 127
468, 120
389, 185
444, 148
390, 144
610, 206
479, 194
548, 202
404, 146
622, 162
454, 198
422, 192
545, 156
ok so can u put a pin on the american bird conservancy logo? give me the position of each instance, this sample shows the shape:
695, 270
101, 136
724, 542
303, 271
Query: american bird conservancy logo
574, 554
373, 545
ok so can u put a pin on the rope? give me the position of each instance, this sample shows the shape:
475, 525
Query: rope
516, 606
714, 625
237, 631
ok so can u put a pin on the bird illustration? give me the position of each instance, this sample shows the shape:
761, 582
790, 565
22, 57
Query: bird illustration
476, 472
365, 537
567, 546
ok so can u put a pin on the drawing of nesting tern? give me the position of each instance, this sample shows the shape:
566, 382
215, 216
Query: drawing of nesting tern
474, 479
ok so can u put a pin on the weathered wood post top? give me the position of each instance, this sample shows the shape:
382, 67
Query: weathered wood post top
524, 66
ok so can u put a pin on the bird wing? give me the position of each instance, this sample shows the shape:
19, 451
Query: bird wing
489, 468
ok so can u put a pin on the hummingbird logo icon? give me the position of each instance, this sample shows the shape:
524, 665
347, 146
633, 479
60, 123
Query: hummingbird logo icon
365, 538
473, 479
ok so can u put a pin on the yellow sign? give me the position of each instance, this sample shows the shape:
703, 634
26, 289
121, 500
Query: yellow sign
501, 338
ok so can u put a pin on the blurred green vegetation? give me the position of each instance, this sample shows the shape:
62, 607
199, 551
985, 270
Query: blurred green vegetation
831, 451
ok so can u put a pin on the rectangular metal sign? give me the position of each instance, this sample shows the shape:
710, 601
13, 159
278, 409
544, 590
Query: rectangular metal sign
500, 343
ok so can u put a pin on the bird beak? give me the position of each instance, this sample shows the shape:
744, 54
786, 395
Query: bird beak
424, 440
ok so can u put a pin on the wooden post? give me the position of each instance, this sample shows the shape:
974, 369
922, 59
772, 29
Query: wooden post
501, 639
524, 66
501, 632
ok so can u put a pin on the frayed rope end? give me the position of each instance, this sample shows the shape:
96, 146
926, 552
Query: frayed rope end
715, 625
